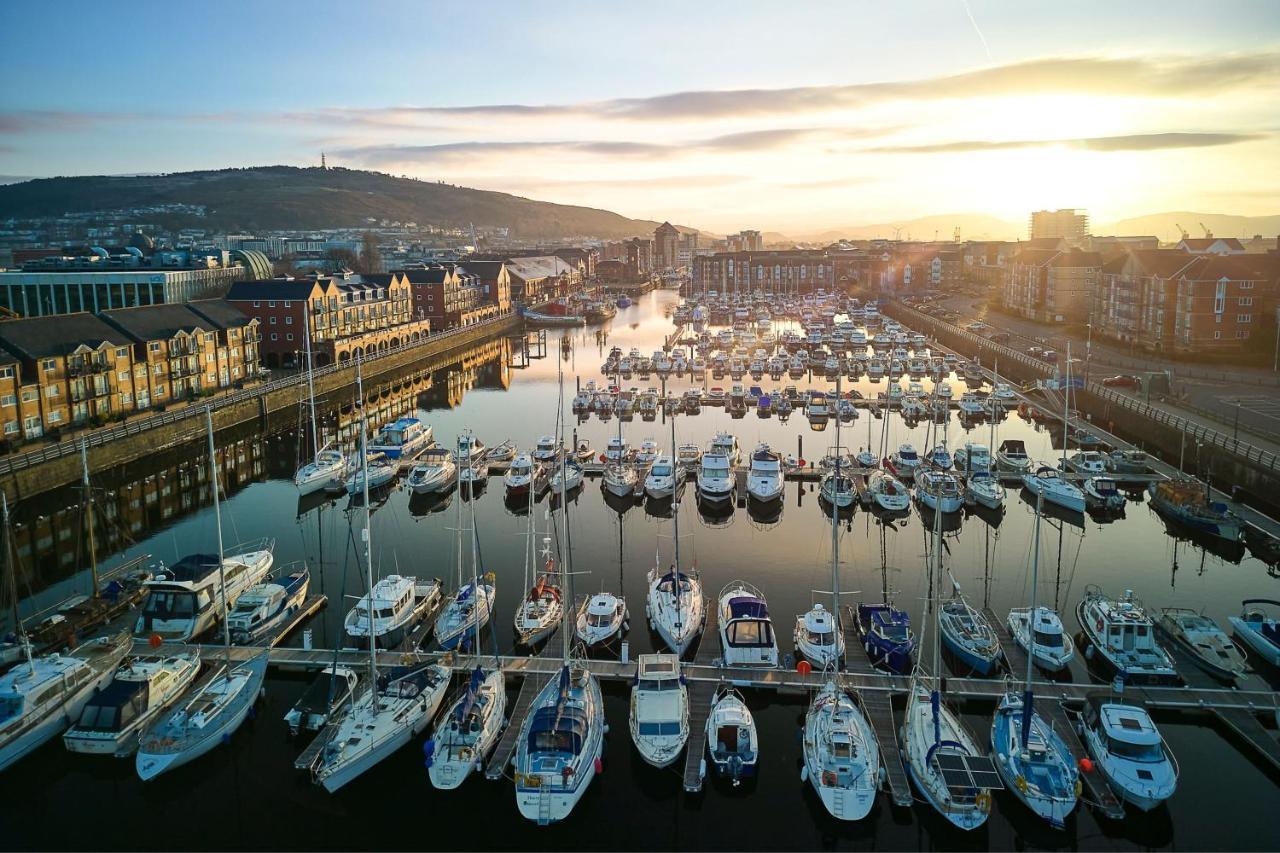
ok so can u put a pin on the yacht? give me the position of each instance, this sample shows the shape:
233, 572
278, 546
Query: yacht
841, 754
1123, 637
816, 409
1206, 643
470, 607
726, 445
659, 718
675, 606
972, 457
403, 438
267, 608
601, 619
1129, 751
888, 492
886, 636
467, 732
379, 470
42, 694
905, 460
1089, 462
1258, 629
940, 457
746, 632
818, 636
1047, 482
546, 450
732, 741
620, 479
328, 471
939, 490
837, 490
1012, 458
715, 479
764, 481
969, 636
566, 477
397, 604
434, 472
184, 599
1053, 646
113, 719
985, 489
664, 478
521, 476
617, 450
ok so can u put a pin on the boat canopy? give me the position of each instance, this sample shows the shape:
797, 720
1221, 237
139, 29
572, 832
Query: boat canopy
472, 696
1013, 447
748, 607
193, 568
115, 706
557, 729
1125, 723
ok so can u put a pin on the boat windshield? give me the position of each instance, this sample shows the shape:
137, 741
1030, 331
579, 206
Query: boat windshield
170, 604
10, 708
660, 685
750, 632
715, 470
662, 470
671, 727
891, 631
822, 638
1149, 753
1048, 641
599, 620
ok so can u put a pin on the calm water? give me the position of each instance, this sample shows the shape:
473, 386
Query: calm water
247, 796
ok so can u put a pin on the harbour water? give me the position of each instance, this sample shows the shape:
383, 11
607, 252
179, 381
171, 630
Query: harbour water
248, 796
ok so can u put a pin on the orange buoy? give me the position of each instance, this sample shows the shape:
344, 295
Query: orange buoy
155, 641
1086, 764
603, 458
802, 463
803, 667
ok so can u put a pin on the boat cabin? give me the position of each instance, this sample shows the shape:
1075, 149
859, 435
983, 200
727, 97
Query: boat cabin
1126, 731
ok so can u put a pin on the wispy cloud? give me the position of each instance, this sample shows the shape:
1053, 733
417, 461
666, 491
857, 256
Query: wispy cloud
1131, 142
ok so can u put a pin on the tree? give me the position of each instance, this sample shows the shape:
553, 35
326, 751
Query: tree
341, 258
370, 256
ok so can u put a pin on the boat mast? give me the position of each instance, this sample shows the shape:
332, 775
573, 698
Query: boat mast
1066, 405
475, 568
991, 413
1031, 626
18, 627
366, 534
311, 387
88, 512
217, 520
675, 504
835, 532
935, 697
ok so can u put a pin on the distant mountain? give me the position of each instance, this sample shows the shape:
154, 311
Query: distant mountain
1165, 225
973, 226
285, 197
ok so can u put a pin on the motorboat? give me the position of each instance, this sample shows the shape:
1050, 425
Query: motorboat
328, 471
1259, 629
1121, 635
397, 603
659, 717
601, 619
1048, 483
1128, 463
888, 492
689, 455
1004, 392
1129, 751
841, 754
617, 450
969, 636
664, 478
403, 438
185, 600
111, 722
1012, 458
971, 405
816, 409
940, 491
726, 445
905, 459
379, 470
434, 471
973, 457
818, 636
1206, 643
715, 478
42, 693
746, 631
647, 453
468, 731
521, 476
331, 690
1103, 493
764, 480
1053, 648
733, 745
262, 611
1187, 501
1089, 462
886, 636
546, 450
469, 450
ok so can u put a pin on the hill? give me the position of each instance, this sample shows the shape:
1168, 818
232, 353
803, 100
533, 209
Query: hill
285, 198
973, 226
1165, 225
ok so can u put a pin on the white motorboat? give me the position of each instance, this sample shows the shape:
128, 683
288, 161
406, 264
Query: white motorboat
659, 718
972, 457
469, 450
503, 452
620, 479
1103, 493
1129, 751
566, 477
939, 490
1004, 392
818, 636
648, 452
905, 460
379, 470
732, 741
390, 612
435, 471
111, 722
546, 450
940, 457
746, 631
726, 444
521, 476
601, 619
41, 695
328, 471
1121, 635
1012, 458
403, 438
764, 480
1053, 647
331, 690
841, 754
715, 479
1206, 643
1089, 462
184, 600
267, 608
1259, 629
1048, 483
469, 730
663, 478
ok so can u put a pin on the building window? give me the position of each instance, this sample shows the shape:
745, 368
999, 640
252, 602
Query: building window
289, 336
55, 416
1217, 336
1245, 301
49, 364
274, 336
1246, 285
273, 321
52, 391
288, 321
6, 372
126, 399
123, 376
208, 358
257, 303
10, 427
1244, 318
122, 352
271, 304
159, 390
159, 369
30, 395
8, 400
288, 304
32, 425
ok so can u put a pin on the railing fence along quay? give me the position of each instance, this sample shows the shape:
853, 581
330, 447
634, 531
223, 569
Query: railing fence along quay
18, 461
1249, 452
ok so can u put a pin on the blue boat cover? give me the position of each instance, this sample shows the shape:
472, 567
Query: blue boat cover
193, 568
473, 693
748, 606
557, 729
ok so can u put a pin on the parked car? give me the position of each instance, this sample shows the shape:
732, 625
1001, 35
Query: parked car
1121, 381
1048, 355
1000, 338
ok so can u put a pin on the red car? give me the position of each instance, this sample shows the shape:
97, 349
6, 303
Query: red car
1121, 381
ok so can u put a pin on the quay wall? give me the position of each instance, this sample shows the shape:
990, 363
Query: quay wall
1226, 461
28, 474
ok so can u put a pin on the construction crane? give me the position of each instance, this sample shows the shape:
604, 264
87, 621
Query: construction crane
1182, 231
1208, 235
956, 234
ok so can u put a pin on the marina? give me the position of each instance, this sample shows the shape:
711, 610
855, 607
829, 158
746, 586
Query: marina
777, 545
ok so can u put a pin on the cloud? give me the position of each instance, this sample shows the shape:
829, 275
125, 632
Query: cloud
1132, 142
13, 122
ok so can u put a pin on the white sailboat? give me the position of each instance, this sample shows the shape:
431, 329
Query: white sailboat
216, 708
818, 634
395, 707
471, 604
328, 468
675, 603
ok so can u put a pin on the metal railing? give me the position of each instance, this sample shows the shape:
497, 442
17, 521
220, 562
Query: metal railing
1249, 452
19, 461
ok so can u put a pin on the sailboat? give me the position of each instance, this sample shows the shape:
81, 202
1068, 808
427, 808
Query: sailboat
562, 740
1033, 759
675, 604
396, 706
619, 475
470, 606
219, 704
328, 468
841, 755
818, 634
42, 695
941, 757
885, 630
602, 617
1047, 481
469, 731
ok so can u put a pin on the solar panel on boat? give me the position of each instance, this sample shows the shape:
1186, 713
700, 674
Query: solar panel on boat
966, 772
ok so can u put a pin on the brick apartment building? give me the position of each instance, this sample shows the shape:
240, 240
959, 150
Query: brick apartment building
1052, 285
449, 296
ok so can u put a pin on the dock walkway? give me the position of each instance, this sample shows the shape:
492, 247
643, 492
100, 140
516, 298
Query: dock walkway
879, 709
700, 695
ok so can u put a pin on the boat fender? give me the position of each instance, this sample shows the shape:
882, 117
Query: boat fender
428, 752
1021, 783
702, 769
598, 765
983, 801
1086, 764
804, 774
1088, 652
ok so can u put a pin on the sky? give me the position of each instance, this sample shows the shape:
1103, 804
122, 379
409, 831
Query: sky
793, 117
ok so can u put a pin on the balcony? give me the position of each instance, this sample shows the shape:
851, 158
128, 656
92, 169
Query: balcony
86, 367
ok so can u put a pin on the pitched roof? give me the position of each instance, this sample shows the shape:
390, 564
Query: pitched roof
1077, 258
1162, 263
541, 266
157, 322
487, 270
434, 274
1200, 244
1236, 268
1034, 257
220, 313
276, 288
59, 334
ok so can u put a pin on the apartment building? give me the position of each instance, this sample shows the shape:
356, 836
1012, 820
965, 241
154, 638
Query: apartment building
448, 295
542, 277
1052, 286
783, 271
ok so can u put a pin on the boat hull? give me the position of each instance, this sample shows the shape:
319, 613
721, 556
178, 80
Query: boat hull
53, 724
